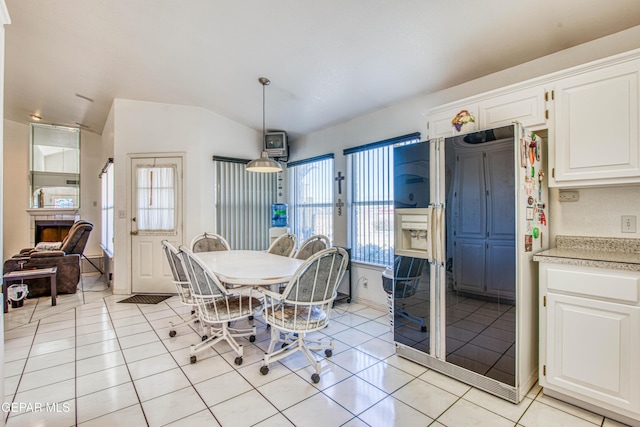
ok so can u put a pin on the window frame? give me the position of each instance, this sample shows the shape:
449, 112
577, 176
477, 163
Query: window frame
107, 208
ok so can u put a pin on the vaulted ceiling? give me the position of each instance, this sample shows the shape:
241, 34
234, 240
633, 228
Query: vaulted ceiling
328, 60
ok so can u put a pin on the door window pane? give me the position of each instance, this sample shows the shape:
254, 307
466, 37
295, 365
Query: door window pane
156, 198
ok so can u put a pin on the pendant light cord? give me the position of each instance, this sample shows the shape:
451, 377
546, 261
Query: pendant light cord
264, 82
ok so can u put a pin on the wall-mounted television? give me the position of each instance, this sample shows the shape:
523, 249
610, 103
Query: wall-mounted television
276, 145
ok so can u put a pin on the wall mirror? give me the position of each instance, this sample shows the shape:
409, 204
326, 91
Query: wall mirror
55, 167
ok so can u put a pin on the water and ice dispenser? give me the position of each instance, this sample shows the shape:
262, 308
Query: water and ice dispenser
413, 234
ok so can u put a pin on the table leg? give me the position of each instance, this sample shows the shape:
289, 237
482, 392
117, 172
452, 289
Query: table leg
54, 289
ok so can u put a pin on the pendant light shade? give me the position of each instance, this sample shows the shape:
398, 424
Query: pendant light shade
264, 163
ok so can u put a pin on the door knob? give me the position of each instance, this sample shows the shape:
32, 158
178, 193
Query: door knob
134, 233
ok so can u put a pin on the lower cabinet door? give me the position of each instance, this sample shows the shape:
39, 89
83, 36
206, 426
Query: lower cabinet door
593, 351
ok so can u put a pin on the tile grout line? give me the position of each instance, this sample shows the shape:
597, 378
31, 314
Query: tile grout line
178, 363
22, 372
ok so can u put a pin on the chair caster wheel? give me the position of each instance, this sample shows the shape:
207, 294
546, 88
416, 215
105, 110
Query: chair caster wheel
315, 378
196, 321
172, 334
268, 327
193, 359
252, 338
238, 361
348, 300
328, 352
193, 312
264, 370
284, 344
423, 329
204, 337
250, 317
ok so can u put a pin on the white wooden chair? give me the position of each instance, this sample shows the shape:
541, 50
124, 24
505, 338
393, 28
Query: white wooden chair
303, 307
181, 281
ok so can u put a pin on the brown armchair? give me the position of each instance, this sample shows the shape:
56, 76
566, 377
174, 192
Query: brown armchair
66, 258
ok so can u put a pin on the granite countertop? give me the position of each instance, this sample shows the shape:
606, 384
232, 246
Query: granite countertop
612, 253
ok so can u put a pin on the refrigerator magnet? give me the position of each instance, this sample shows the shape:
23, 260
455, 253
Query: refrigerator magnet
529, 213
528, 243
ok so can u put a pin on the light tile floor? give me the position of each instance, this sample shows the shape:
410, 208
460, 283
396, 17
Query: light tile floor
95, 362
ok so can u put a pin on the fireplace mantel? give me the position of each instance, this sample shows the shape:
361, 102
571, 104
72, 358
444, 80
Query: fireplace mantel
49, 212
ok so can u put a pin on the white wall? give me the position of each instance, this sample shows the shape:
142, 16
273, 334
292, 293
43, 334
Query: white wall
596, 214
17, 222
4, 19
15, 197
147, 127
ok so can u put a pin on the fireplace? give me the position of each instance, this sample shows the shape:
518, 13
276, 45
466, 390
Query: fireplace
50, 225
51, 230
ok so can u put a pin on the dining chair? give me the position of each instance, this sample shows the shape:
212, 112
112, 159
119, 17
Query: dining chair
303, 307
285, 245
209, 242
312, 245
218, 307
181, 281
402, 283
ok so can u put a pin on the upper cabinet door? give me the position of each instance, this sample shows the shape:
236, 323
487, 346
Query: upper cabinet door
526, 106
596, 138
440, 122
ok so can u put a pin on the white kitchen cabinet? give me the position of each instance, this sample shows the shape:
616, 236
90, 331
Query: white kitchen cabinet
589, 336
439, 121
526, 106
595, 140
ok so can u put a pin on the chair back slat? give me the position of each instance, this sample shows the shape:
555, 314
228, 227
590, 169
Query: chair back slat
175, 263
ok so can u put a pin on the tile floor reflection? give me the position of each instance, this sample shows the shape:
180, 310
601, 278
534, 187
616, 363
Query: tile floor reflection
95, 362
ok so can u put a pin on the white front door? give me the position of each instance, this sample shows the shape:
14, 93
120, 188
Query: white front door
157, 215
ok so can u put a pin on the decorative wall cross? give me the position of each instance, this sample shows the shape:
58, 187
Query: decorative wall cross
339, 205
339, 180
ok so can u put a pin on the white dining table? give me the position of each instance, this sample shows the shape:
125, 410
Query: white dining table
250, 268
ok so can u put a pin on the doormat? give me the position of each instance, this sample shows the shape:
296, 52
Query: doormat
146, 299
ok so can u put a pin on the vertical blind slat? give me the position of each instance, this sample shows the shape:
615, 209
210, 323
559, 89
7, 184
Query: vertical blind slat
243, 205
370, 206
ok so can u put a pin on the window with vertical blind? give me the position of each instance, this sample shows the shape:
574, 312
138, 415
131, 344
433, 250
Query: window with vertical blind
311, 197
243, 203
370, 202
106, 239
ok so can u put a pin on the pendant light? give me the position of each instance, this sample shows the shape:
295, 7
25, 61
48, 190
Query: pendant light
264, 163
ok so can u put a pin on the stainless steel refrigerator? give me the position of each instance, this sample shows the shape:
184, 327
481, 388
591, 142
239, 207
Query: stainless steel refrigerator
470, 212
